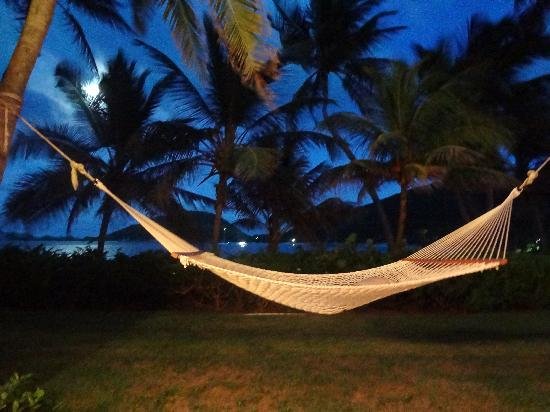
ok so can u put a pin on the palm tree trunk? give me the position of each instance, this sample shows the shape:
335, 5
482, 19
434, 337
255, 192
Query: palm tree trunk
402, 219
221, 194
102, 237
462, 206
16, 76
343, 144
274, 235
490, 198
382, 215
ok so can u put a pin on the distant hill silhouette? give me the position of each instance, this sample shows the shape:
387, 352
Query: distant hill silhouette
433, 212
193, 226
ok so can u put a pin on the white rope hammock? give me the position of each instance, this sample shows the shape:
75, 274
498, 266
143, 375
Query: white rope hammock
479, 245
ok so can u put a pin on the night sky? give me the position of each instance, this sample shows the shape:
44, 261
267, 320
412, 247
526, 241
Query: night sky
427, 20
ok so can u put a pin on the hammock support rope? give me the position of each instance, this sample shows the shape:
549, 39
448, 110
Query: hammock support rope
477, 246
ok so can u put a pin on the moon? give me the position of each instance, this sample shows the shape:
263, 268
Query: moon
91, 89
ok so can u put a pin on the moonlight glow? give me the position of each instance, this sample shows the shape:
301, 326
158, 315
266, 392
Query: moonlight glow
91, 89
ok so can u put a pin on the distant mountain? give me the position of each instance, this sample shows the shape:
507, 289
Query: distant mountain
192, 226
434, 212
29, 236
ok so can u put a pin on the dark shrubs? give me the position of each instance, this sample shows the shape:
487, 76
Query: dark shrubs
43, 279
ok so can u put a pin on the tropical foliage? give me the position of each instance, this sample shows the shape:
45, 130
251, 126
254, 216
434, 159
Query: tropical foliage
115, 125
235, 117
240, 21
284, 199
472, 116
408, 114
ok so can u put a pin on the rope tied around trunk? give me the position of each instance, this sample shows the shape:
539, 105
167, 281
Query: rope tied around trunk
532, 175
12, 103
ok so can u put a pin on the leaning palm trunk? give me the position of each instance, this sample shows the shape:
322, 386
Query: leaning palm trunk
102, 237
384, 221
16, 76
382, 215
401, 219
221, 195
462, 206
274, 235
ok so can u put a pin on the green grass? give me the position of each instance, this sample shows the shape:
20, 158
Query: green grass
180, 361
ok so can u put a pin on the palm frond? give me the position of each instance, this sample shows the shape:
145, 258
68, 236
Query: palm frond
250, 162
142, 12
371, 33
19, 7
104, 11
285, 116
83, 201
69, 139
241, 24
80, 40
182, 20
186, 197
177, 86
70, 82
41, 195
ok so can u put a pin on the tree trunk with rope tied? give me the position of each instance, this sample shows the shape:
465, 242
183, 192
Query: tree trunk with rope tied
15, 78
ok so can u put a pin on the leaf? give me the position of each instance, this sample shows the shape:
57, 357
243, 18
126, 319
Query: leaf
104, 11
80, 40
241, 24
182, 21
254, 162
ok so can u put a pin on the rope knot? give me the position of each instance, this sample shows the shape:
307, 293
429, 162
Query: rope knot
76, 168
531, 177
10, 101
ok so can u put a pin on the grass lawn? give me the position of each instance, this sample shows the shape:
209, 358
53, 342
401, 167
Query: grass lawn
181, 361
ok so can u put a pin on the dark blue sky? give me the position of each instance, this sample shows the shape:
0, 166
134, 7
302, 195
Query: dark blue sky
427, 20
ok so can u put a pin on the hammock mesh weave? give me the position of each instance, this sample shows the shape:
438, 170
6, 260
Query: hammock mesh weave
477, 246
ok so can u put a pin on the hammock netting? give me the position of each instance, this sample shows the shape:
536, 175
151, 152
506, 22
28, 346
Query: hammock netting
477, 246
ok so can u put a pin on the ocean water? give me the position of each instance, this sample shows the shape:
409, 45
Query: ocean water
132, 248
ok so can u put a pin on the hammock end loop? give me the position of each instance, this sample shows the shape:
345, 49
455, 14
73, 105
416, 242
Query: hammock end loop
531, 177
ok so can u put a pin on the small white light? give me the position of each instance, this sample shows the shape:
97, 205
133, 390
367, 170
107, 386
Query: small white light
242, 243
293, 240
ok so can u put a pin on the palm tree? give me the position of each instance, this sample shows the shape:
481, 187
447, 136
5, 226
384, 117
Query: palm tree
119, 142
280, 201
38, 15
240, 21
527, 115
365, 174
487, 67
232, 112
333, 38
489, 64
409, 113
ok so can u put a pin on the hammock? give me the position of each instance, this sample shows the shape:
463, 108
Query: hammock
477, 246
